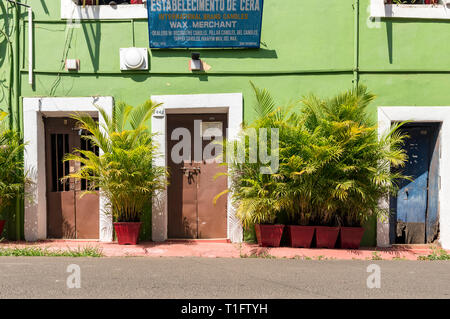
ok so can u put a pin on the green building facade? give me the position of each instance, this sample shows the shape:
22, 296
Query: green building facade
400, 52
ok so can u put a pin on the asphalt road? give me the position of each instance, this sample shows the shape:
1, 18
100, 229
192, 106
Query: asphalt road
141, 277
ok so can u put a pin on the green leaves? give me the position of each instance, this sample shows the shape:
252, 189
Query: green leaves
12, 177
264, 102
333, 168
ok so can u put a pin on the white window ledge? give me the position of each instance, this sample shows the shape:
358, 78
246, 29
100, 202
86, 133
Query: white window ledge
72, 11
413, 11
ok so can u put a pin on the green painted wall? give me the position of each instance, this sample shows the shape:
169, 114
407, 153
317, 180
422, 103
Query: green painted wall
306, 46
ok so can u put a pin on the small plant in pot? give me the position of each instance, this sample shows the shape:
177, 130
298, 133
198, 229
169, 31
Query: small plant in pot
122, 171
12, 177
256, 205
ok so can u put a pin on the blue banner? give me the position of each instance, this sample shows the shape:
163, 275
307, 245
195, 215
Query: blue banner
204, 23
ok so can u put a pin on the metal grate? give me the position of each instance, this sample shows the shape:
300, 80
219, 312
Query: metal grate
86, 145
59, 148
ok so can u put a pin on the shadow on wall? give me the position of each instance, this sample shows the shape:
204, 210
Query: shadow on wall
93, 35
6, 57
44, 6
389, 39
217, 53
390, 30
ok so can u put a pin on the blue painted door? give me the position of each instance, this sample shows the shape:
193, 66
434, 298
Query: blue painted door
434, 185
414, 198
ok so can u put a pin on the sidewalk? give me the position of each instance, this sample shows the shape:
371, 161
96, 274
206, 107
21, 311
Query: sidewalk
223, 249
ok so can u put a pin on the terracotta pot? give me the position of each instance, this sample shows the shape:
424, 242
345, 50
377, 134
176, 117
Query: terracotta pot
269, 235
326, 237
127, 233
350, 237
2, 224
300, 236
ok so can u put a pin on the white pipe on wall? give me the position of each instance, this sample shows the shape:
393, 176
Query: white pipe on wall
30, 46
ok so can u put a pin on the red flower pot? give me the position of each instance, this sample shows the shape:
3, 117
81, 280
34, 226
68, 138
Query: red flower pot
326, 237
269, 235
136, 2
300, 236
2, 224
351, 237
127, 233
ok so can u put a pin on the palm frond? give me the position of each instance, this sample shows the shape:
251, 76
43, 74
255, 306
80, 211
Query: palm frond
264, 102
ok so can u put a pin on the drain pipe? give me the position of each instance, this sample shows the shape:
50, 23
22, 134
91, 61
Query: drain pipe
16, 55
356, 44
16, 89
30, 46
16, 65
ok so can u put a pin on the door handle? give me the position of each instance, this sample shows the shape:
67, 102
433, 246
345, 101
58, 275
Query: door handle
190, 170
187, 171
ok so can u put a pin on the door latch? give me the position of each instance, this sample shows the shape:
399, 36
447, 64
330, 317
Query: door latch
189, 172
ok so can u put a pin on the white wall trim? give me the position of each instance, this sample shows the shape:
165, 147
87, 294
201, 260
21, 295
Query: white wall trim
230, 103
388, 114
72, 11
419, 11
35, 223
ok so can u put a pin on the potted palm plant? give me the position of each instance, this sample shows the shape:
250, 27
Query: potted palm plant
297, 167
257, 204
358, 175
256, 193
123, 170
12, 176
375, 179
333, 170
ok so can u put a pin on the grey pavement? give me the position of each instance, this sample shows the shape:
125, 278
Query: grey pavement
142, 277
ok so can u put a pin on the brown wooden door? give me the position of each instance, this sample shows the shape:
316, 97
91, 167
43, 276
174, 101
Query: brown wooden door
192, 188
68, 214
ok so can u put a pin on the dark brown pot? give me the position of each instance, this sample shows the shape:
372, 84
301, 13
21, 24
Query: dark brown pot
2, 224
326, 237
269, 235
350, 237
127, 233
300, 236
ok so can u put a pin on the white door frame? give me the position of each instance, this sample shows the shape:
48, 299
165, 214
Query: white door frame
389, 114
230, 103
34, 109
